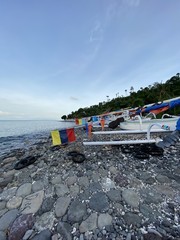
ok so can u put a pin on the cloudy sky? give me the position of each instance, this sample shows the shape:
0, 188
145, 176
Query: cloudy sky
58, 56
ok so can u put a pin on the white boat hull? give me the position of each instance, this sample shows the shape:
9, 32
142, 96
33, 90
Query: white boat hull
144, 124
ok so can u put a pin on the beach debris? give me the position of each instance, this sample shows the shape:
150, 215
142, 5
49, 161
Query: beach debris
25, 162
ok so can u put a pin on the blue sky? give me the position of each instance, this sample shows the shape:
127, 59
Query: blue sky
58, 56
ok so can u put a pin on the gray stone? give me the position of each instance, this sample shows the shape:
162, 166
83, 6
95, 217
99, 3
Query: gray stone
2, 205
62, 205
99, 202
14, 202
76, 211
8, 193
2, 212
2, 235
89, 224
28, 234
165, 190
131, 198
114, 195
65, 229
107, 184
45, 221
43, 235
83, 182
113, 170
7, 219
163, 179
151, 196
74, 190
56, 180
104, 220
24, 190
37, 186
61, 190
132, 218
71, 180
47, 205
24, 177
95, 186
4, 182
32, 203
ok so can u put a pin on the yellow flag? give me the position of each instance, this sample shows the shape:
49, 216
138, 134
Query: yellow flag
56, 137
80, 121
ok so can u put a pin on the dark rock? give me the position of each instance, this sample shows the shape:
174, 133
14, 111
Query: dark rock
43, 235
114, 195
132, 218
95, 186
99, 202
65, 229
46, 206
76, 211
121, 180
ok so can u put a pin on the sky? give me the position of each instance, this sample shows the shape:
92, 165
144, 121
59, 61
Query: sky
61, 55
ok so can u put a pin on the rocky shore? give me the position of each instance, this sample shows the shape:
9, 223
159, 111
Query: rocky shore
111, 195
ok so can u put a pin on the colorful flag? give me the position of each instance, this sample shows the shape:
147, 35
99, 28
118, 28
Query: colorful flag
102, 121
77, 121
63, 136
89, 130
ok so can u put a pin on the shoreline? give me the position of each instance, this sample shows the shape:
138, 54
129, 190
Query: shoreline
111, 195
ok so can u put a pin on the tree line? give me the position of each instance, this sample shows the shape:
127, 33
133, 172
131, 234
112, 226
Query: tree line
151, 94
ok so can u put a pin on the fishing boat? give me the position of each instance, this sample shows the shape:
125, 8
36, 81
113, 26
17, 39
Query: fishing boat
138, 122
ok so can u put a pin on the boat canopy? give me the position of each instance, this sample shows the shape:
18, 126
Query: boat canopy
159, 107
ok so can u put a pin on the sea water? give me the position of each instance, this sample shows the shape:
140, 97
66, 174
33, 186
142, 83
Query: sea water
16, 134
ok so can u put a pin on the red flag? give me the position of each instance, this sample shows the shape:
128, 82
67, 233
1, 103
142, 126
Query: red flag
71, 135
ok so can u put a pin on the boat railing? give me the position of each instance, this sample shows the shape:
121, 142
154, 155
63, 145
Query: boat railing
149, 129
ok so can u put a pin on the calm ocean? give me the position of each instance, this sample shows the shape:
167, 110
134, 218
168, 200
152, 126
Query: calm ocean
16, 134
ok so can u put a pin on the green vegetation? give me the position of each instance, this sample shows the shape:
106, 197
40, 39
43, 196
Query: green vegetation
151, 94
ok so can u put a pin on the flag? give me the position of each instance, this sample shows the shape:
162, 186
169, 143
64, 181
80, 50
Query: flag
89, 130
80, 121
102, 121
77, 121
63, 136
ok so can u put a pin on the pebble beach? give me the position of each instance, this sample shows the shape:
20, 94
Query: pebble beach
110, 195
